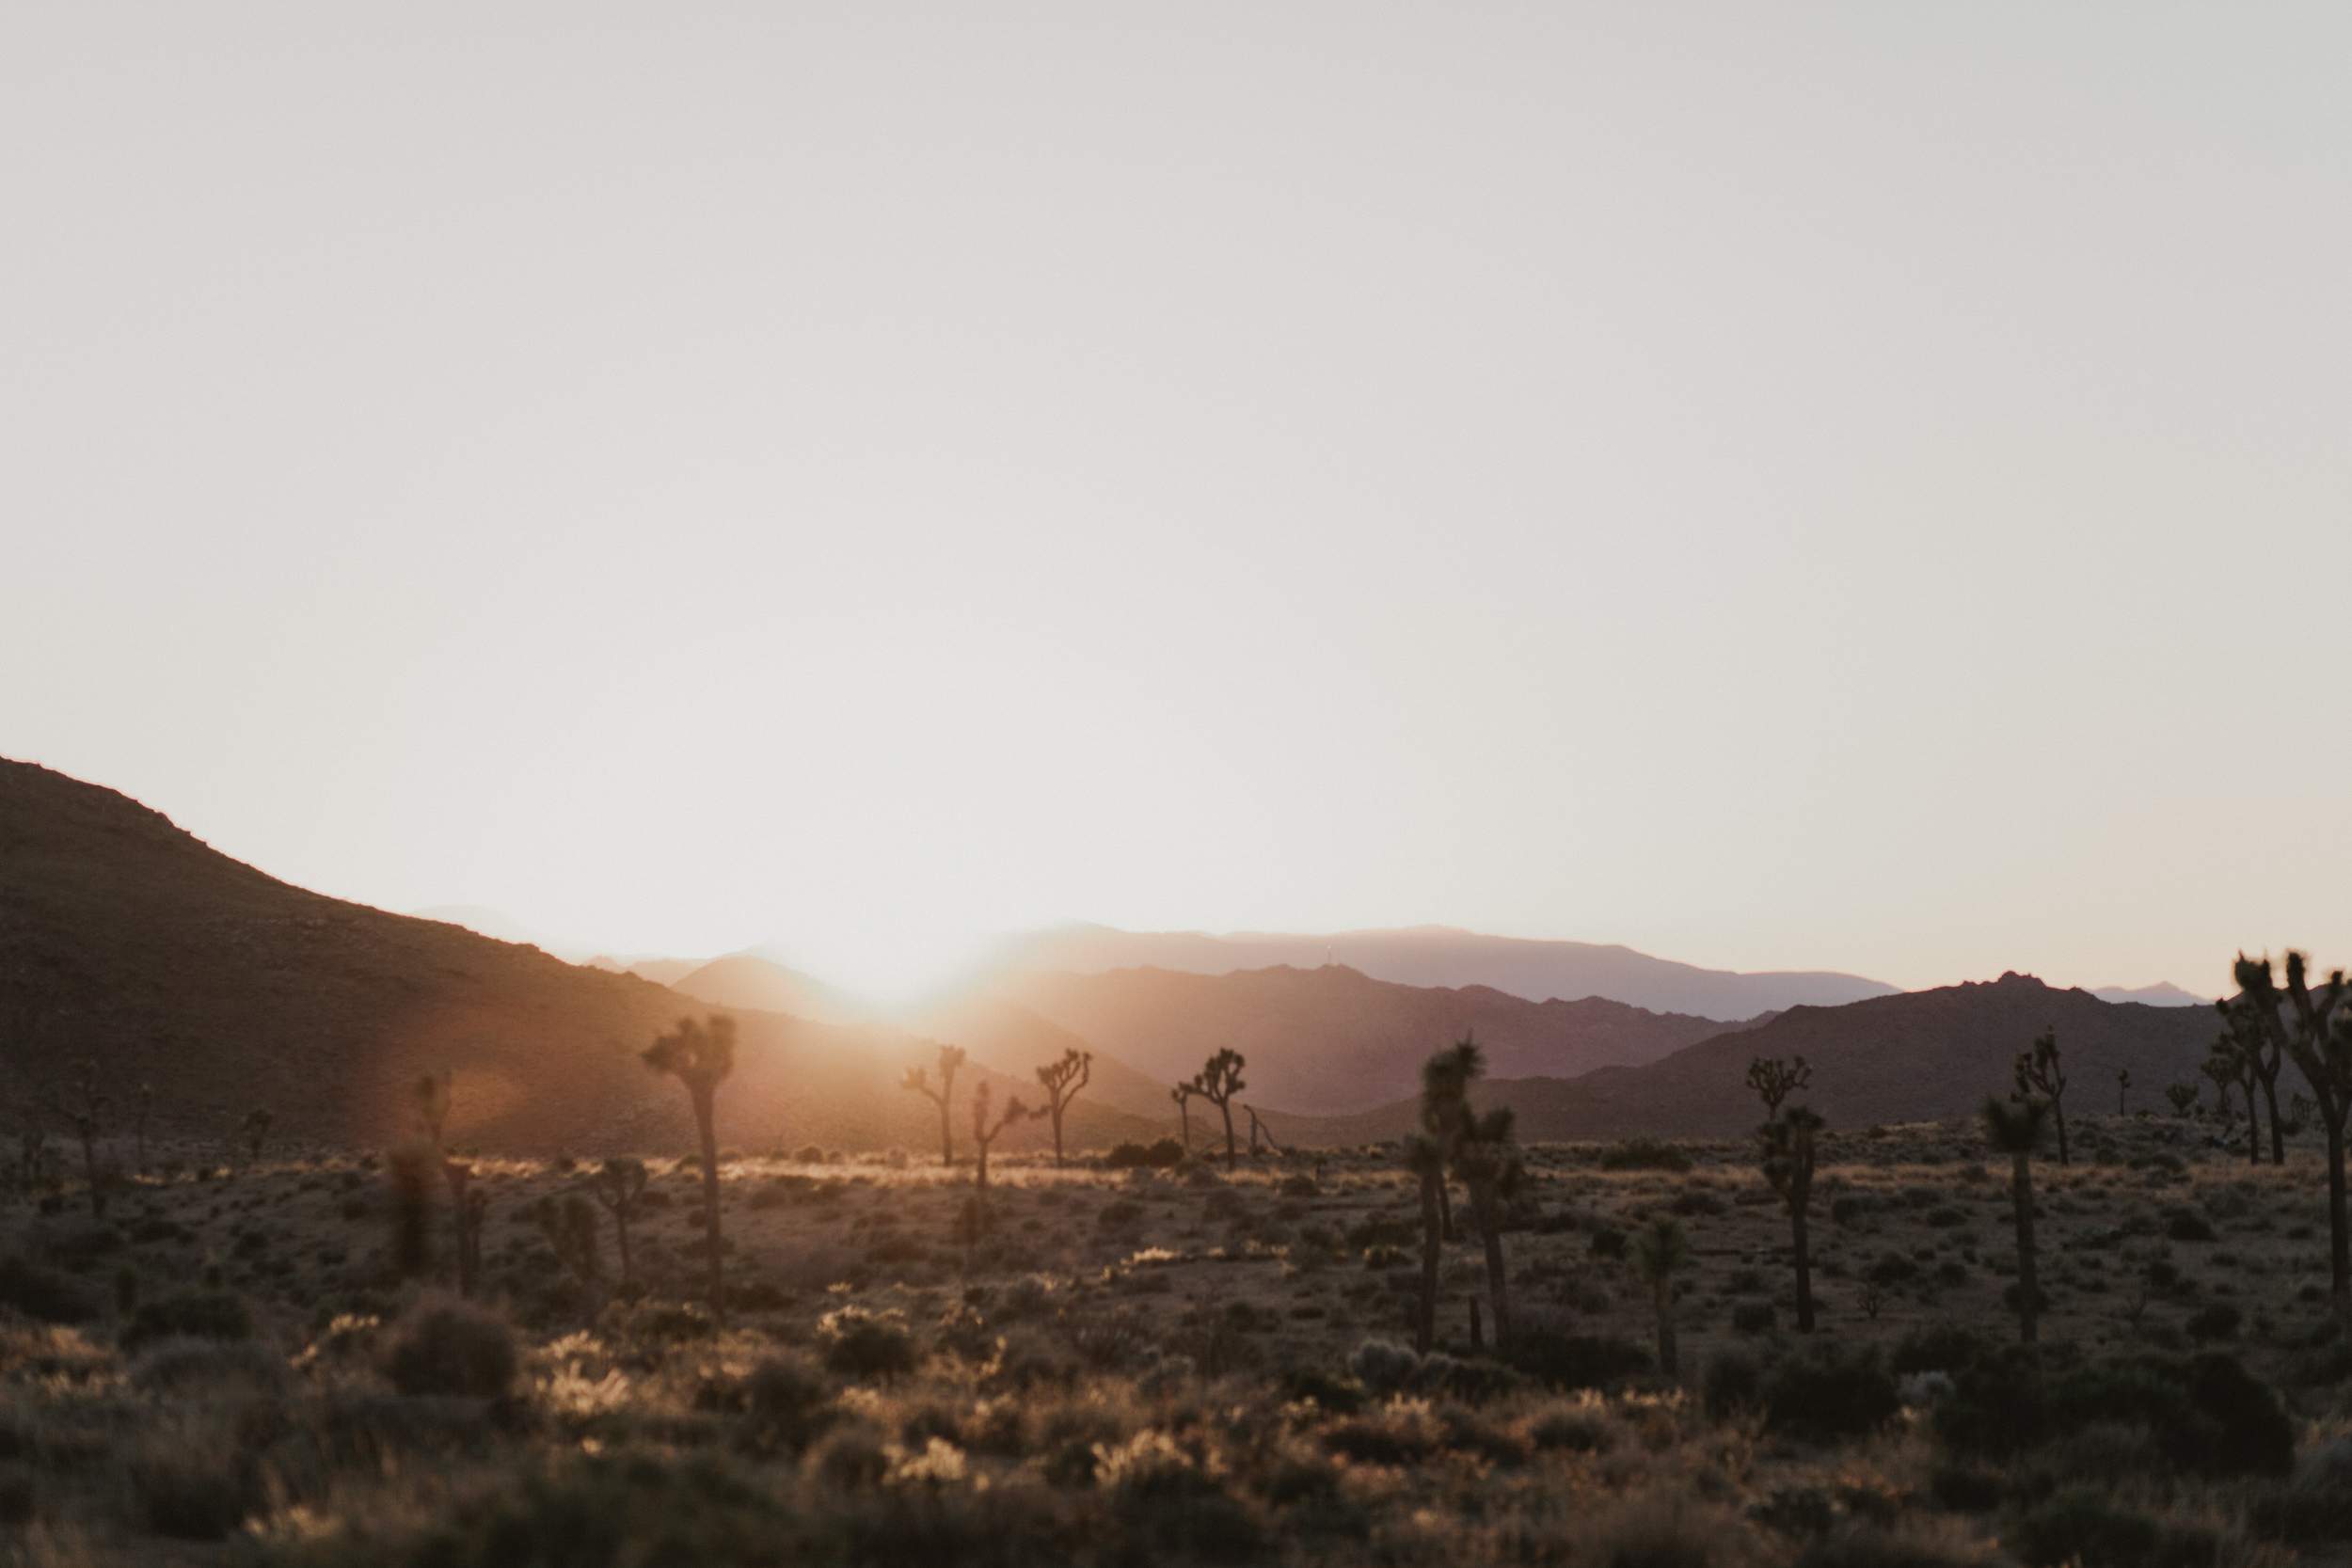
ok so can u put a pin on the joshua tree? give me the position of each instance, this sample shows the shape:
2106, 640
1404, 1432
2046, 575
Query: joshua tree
1217, 1082
1787, 1143
2123, 1088
255, 1130
1425, 1156
2314, 1030
433, 1093
2039, 1073
1259, 1129
619, 1186
919, 1081
146, 1108
86, 1111
1660, 1251
1774, 1080
2230, 1063
984, 1132
1062, 1080
410, 1170
1487, 1159
2013, 1126
2182, 1094
1181, 1095
1444, 1105
700, 1057
2258, 1060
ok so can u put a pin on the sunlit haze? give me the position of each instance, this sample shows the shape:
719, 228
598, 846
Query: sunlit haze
1839, 488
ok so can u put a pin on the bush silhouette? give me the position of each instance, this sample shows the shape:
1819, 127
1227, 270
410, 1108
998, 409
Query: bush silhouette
446, 1346
1838, 1394
193, 1314
2079, 1524
863, 1344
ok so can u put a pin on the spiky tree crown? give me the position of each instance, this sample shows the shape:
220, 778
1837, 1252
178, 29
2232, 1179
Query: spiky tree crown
2014, 1126
1661, 1248
697, 1054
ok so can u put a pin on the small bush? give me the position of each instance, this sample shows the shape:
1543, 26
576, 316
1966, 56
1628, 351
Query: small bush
189, 1314
1938, 1348
1575, 1430
46, 1294
1162, 1155
1733, 1382
789, 1399
1645, 1154
181, 1365
1833, 1395
452, 1347
2219, 1321
2079, 1524
1753, 1317
194, 1490
1608, 1241
1383, 1366
1382, 1230
610, 1511
2187, 1225
1560, 1360
864, 1344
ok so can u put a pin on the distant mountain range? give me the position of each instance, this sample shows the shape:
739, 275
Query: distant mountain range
127, 942
2164, 993
1443, 956
1921, 1056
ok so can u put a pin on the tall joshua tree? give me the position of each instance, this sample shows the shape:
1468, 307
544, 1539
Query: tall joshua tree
1774, 1080
1660, 1251
2230, 1063
2013, 1126
2249, 1048
1787, 1143
2039, 1072
619, 1186
434, 1093
918, 1080
1487, 1159
1062, 1080
2314, 1030
700, 1057
84, 1109
1444, 1105
1217, 1082
984, 1132
1181, 1095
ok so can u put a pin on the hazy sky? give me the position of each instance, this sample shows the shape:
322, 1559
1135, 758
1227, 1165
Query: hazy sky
1862, 488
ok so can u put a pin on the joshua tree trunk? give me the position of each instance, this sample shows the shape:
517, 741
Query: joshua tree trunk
1232, 1153
2028, 1275
1432, 1241
706, 1123
1484, 1209
1662, 1295
2332, 1117
620, 1228
1804, 1269
1184, 1104
1445, 1210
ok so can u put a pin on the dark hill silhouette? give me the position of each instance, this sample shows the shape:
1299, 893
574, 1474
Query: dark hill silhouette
1921, 1056
1331, 1039
126, 940
1446, 956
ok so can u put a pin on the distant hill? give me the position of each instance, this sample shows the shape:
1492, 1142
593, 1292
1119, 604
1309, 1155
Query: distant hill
1331, 1039
1444, 956
127, 942
2164, 993
1008, 1035
743, 981
1919, 1057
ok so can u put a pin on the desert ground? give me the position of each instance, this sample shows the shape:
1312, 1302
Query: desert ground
1201, 1362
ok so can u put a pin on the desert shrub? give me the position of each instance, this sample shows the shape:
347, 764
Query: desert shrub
1177, 1504
1830, 1395
1300, 1186
866, 1344
1118, 1213
1891, 1270
1869, 1545
1382, 1366
789, 1399
2206, 1413
2079, 1524
1571, 1430
1753, 1317
2186, 1225
1655, 1529
447, 1346
180, 1366
2315, 1507
1645, 1154
194, 1490
1162, 1155
47, 1294
1937, 1348
1560, 1360
2105, 1453
1382, 1230
189, 1314
1608, 1241
1403, 1433
850, 1456
1340, 1396
1850, 1209
1733, 1382
606, 1511
2219, 1321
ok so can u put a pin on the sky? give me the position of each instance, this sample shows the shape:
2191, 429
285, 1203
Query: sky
1851, 487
